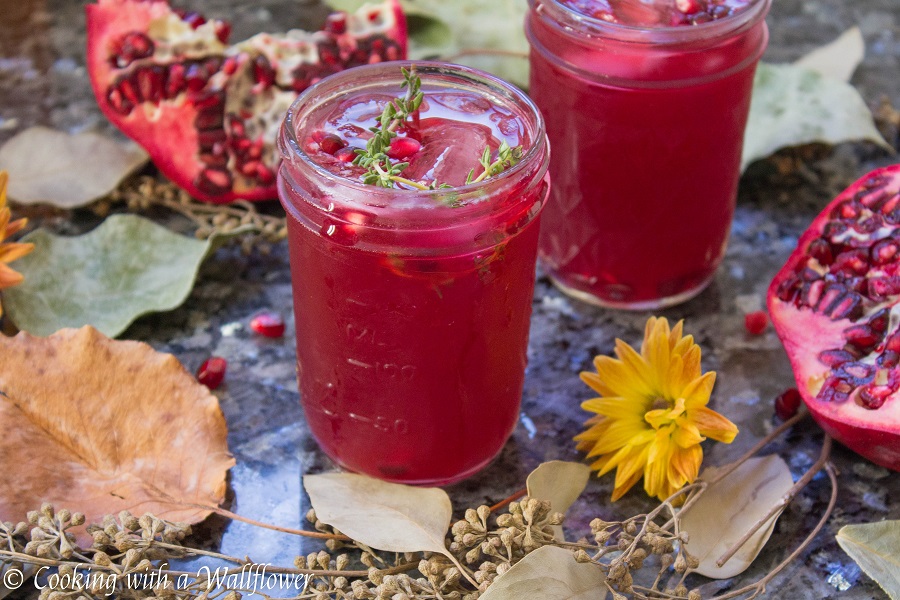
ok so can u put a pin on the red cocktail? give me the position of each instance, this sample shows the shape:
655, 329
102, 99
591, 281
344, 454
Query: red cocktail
412, 306
645, 105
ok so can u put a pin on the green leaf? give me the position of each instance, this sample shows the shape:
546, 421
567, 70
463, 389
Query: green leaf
876, 549
794, 105
549, 573
125, 268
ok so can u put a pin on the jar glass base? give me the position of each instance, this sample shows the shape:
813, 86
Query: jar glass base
653, 304
434, 482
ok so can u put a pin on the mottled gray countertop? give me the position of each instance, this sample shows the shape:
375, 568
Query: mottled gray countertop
41, 56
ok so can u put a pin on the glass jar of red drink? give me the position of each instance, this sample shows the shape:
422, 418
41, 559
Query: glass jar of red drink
646, 104
412, 306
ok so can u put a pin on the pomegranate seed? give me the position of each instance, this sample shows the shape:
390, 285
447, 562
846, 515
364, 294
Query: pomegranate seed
755, 323
688, 7
403, 147
331, 144
212, 372
346, 154
787, 404
268, 324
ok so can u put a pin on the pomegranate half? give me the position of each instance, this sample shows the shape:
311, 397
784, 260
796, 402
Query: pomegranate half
207, 112
836, 307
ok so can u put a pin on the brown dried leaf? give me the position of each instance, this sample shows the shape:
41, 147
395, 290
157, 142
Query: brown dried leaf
560, 483
549, 573
729, 508
385, 516
100, 426
68, 171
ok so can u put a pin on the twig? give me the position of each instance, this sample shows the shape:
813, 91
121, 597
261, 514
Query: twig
511, 498
760, 585
785, 500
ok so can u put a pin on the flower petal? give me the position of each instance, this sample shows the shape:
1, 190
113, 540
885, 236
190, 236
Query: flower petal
622, 433
619, 378
15, 227
696, 394
8, 277
616, 407
10, 252
713, 425
687, 435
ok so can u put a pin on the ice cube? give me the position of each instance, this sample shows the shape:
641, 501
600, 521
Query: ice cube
450, 149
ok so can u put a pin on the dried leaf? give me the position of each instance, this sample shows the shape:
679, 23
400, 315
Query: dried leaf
729, 508
838, 59
100, 426
68, 171
549, 573
793, 106
876, 549
560, 483
385, 516
125, 268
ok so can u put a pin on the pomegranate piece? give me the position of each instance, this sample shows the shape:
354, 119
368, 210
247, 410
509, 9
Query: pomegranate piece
268, 324
834, 304
787, 404
212, 372
207, 112
755, 323
403, 147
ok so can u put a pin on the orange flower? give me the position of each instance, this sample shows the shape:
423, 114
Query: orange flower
9, 251
651, 414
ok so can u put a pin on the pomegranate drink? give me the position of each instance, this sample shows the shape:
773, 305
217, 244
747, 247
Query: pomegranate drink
412, 291
646, 104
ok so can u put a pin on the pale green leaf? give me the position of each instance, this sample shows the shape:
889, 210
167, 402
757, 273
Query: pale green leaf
793, 106
385, 516
839, 58
108, 277
560, 483
549, 573
53, 167
876, 549
729, 508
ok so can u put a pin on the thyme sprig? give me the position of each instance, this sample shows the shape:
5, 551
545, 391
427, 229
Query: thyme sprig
381, 171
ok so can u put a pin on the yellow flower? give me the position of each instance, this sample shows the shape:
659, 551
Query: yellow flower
651, 413
9, 251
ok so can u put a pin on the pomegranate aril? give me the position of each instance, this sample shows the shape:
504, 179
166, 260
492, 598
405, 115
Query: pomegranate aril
820, 249
755, 323
336, 23
873, 397
849, 306
862, 336
856, 373
223, 31
403, 147
346, 154
834, 358
331, 144
879, 320
134, 46
212, 372
787, 404
268, 324
883, 287
851, 262
888, 359
263, 73
209, 118
214, 181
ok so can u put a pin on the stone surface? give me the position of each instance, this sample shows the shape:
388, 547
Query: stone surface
43, 80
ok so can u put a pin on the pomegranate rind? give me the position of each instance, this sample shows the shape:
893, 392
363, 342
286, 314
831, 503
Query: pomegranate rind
871, 433
166, 128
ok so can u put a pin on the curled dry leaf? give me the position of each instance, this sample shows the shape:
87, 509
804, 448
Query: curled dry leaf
102, 426
549, 573
876, 549
729, 508
68, 171
793, 105
385, 516
560, 483
838, 59
108, 277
